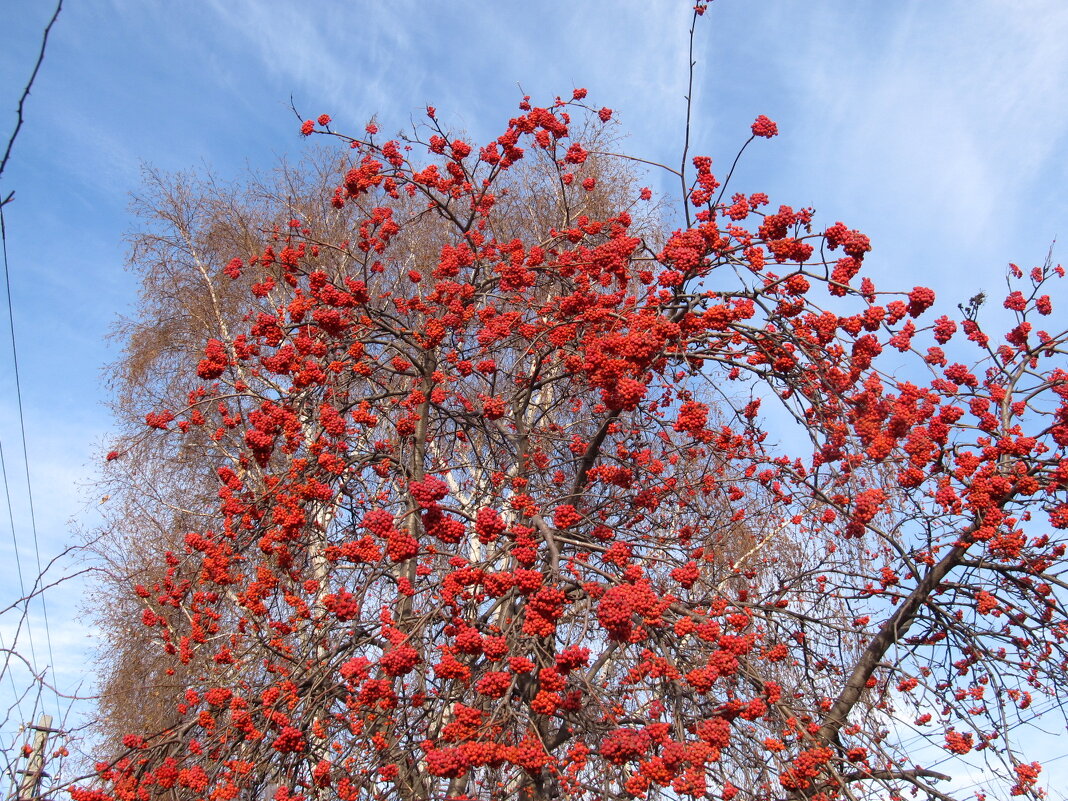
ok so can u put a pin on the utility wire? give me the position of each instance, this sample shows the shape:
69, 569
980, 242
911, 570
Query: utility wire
22, 589
25, 451
14, 538
19, 120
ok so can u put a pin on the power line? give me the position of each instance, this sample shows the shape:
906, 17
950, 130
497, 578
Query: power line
22, 591
19, 120
25, 451
14, 537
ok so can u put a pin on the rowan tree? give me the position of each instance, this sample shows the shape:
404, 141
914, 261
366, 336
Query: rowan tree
162, 487
497, 515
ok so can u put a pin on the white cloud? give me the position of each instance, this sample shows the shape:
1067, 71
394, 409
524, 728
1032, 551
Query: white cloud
940, 124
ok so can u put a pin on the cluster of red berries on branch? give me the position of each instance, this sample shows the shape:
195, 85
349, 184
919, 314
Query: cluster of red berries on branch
498, 516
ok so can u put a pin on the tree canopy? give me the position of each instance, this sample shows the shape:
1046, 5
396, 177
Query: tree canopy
466, 489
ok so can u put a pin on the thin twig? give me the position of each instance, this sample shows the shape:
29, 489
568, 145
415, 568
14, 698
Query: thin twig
26, 93
689, 111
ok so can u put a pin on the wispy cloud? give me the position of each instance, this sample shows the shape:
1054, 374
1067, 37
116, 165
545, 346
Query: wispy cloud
936, 122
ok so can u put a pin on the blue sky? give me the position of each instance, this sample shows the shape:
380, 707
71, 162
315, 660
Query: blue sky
936, 128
